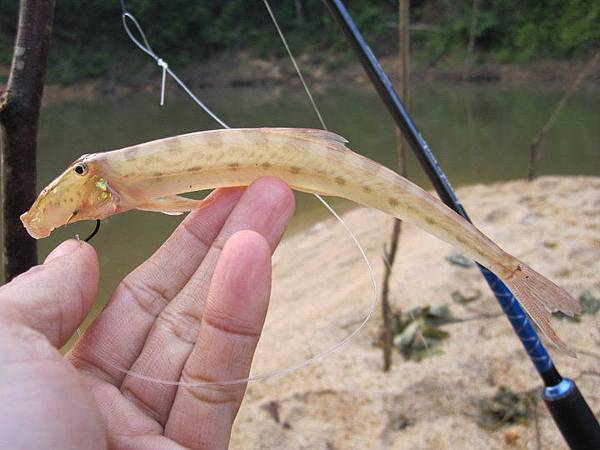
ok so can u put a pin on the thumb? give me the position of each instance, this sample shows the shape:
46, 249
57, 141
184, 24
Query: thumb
54, 297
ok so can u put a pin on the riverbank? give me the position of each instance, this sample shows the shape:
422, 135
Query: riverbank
321, 292
242, 69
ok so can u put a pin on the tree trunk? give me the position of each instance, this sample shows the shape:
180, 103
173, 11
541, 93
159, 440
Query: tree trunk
19, 116
390, 255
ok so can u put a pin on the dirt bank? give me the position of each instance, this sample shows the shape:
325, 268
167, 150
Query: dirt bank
241, 69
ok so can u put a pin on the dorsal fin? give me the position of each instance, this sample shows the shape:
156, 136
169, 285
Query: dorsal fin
311, 134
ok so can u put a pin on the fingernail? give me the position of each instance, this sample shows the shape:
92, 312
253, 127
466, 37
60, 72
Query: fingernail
63, 249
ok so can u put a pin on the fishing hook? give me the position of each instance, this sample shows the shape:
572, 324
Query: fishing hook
96, 229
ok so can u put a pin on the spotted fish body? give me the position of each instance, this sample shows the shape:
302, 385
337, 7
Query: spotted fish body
150, 176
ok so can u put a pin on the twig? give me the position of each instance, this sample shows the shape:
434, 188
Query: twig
538, 432
473, 318
390, 255
471, 43
592, 373
534, 152
386, 309
587, 353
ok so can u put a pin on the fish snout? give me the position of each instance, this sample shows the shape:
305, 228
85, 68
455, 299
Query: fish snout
33, 226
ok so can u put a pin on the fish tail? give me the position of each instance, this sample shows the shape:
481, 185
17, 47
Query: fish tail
541, 297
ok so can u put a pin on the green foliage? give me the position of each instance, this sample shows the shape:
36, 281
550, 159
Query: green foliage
512, 31
418, 335
590, 305
504, 408
89, 40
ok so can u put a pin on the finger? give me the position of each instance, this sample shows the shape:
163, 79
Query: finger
266, 207
117, 336
54, 298
235, 310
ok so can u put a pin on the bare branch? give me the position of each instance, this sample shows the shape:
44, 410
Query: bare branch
534, 151
390, 255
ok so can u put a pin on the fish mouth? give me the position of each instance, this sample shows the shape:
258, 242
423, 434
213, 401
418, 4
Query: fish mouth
34, 231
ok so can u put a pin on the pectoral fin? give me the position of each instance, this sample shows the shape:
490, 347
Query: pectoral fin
172, 205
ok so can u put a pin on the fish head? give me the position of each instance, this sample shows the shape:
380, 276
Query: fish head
79, 193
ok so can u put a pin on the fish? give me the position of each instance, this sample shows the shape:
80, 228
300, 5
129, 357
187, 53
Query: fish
151, 176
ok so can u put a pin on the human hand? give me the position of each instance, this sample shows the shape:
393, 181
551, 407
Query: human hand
192, 312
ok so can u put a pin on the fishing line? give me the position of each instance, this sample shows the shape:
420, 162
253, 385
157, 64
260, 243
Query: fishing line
292, 368
144, 45
298, 72
320, 117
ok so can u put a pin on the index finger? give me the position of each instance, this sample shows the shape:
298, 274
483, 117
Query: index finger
231, 325
117, 336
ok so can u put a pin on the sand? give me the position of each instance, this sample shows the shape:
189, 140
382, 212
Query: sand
321, 292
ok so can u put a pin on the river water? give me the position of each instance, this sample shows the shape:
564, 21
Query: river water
479, 133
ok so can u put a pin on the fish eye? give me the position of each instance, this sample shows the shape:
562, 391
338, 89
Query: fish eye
80, 169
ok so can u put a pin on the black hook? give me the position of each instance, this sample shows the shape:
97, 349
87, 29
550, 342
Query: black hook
96, 229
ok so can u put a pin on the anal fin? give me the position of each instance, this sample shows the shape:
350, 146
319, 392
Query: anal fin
172, 205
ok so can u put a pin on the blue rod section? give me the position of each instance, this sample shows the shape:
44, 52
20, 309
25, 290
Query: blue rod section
535, 349
520, 323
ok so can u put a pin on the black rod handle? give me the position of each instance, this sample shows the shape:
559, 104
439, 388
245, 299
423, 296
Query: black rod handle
574, 418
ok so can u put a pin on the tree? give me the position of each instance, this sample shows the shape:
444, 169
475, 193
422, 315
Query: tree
19, 117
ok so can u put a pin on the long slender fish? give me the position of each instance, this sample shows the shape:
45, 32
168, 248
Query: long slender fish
150, 176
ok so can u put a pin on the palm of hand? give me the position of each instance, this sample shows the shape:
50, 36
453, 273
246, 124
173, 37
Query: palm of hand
192, 312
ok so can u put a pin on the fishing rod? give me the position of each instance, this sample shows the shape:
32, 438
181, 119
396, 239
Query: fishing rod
565, 402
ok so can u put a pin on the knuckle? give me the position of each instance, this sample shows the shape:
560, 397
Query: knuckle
230, 325
147, 409
195, 234
212, 391
182, 324
150, 299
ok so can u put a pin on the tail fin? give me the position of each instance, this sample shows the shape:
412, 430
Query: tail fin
541, 297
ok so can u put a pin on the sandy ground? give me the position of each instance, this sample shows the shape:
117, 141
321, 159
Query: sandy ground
321, 291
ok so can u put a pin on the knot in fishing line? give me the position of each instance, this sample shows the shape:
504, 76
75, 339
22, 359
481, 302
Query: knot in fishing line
162, 64
165, 67
144, 45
